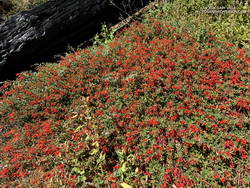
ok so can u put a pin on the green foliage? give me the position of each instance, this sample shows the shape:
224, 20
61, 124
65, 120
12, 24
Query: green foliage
232, 27
105, 37
235, 27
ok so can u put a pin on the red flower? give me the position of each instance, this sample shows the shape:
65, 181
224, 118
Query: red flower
222, 180
4, 172
153, 122
243, 141
244, 156
12, 115
147, 173
7, 148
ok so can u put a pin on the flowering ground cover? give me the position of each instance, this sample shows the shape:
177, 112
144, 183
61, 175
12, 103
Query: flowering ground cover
156, 107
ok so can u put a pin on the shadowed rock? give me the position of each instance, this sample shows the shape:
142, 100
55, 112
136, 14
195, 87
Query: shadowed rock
38, 34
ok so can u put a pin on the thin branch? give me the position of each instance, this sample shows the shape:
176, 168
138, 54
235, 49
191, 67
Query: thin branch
112, 3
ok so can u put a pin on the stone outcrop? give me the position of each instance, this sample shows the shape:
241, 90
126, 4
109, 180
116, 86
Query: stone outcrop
38, 34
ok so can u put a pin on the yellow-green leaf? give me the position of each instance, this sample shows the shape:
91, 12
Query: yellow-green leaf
93, 151
125, 185
123, 168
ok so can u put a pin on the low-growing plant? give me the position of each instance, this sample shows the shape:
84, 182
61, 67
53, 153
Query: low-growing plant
105, 36
231, 26
159, 106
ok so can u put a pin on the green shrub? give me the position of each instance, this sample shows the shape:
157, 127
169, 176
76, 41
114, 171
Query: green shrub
164, 104
233, 27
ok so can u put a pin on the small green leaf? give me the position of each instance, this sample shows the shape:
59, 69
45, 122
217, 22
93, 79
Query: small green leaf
79, 128
101, 158
93, 151
78, 170
95, 144
81, 178
123, 168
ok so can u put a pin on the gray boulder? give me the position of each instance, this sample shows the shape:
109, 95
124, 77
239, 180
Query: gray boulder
36, 35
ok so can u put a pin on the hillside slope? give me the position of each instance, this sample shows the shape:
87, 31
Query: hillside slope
163, 104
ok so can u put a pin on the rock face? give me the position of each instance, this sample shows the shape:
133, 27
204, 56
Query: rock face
38, 34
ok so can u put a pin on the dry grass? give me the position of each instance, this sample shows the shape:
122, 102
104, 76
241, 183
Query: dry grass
20, 5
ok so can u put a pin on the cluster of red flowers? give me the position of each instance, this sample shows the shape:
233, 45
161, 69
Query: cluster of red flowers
176, 109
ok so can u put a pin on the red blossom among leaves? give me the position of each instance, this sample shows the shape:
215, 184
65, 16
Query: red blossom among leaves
155, 109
